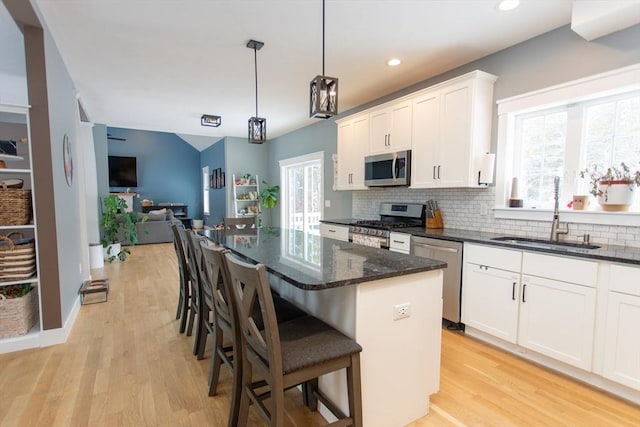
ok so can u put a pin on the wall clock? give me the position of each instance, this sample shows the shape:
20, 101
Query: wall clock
68, 160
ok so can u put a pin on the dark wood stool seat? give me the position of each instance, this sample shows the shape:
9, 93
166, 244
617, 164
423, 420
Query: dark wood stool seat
287, 354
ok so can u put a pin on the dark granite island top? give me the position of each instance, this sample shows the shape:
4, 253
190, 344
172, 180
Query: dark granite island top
313, 262
384, 300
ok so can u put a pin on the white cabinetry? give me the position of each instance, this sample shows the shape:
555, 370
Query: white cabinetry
400, 242
390, 128
333, 231
14, 126
246, 196
490, 291
622, 342
353, 143
547, 305
451, 131
558, 302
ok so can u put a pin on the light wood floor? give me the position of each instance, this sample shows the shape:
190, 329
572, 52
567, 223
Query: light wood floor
125, 364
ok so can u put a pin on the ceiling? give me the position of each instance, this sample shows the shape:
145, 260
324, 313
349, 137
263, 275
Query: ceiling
159, 65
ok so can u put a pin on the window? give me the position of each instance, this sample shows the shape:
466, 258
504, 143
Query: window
302, 192
562, 130
205, 189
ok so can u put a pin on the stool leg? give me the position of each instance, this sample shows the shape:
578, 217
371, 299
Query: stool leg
354, 390
216, 361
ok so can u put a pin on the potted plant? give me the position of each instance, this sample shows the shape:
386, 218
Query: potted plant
614, 186
269, 195
118, 225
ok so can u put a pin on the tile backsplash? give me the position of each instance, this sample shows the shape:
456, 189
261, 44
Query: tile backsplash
472, 209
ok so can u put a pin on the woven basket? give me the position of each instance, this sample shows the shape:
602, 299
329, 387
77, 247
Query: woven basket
18, 315
17, 259
15, 206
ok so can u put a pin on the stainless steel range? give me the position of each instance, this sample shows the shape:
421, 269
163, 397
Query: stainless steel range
393, 216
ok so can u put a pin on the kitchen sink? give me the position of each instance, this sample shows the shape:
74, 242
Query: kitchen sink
540, 243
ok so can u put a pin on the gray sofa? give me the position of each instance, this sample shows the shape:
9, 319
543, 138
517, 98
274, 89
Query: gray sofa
157, 227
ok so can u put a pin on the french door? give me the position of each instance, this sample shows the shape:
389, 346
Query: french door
302, 192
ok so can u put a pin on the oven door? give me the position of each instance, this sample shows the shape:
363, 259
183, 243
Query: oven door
368, 240
388, 169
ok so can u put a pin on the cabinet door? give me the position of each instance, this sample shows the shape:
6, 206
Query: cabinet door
379, 131
353, 140
333, 231
455, 131
345, 139
557, 319
622, 345
490, 300
400, 127
425, 146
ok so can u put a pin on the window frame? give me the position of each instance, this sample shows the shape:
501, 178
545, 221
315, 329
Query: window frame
206, 201
584, 91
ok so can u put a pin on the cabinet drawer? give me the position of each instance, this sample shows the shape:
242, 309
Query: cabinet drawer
400, 241
338, 232
560, 268
491, 256
625, 279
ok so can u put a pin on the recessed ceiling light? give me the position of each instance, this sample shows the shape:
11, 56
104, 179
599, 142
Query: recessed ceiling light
393, 62
506, 5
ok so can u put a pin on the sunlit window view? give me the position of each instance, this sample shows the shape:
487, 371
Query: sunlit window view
302, 193
565, 140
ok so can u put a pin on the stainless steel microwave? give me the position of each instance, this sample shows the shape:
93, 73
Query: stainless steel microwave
388, 169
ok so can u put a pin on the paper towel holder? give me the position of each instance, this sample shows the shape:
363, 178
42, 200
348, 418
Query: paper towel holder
485, 171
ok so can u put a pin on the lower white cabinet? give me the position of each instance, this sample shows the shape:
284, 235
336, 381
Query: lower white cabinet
557, 319
333, 231
502, 297
622, 338
490, 302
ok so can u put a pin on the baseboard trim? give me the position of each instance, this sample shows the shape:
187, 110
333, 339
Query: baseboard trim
60, 335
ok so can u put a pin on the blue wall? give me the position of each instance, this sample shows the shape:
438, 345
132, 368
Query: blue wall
214, 157
168, 169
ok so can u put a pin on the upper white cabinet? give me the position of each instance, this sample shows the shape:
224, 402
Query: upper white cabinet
353, 143
622, 345
451, 131
390, 128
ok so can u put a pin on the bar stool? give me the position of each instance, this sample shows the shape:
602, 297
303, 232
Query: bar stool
193, 283
242, 225
184, 298
224, 326
287, 354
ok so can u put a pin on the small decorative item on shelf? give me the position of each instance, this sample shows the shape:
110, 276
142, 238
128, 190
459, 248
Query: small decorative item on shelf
17, 257
613, 186
18, 309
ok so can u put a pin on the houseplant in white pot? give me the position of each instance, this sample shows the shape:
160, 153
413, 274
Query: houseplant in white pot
613, 186
118, 226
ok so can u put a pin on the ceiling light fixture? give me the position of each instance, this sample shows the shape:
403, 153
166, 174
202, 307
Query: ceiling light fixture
393, 62
323, 90
257, 125
210, 120
507, 5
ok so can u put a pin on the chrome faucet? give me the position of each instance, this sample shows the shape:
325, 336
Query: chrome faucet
555, 224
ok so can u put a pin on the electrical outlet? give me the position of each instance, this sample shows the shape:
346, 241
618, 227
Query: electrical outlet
401, 311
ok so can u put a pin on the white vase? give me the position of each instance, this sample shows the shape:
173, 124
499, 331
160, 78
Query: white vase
615, 195
111, 250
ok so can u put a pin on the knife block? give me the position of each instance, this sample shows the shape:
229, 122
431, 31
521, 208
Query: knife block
436, 221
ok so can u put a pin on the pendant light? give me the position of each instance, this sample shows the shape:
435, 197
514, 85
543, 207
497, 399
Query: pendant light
323, 90
257, 125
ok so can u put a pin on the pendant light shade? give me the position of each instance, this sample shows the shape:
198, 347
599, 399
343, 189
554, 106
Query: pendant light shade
257, 125
323, 90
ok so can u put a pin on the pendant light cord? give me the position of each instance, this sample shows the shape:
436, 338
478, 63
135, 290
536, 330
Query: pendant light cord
323, 37
255, 62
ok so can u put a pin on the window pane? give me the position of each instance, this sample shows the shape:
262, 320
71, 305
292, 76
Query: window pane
543, 150
612, 133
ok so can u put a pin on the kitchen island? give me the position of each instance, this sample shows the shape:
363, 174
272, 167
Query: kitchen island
390, 303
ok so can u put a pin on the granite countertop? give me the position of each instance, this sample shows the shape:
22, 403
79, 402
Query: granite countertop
622, 254
313, 262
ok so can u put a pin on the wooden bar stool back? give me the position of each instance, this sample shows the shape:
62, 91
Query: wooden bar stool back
205, 297
242, 225
287, 354
193, 280
184, 298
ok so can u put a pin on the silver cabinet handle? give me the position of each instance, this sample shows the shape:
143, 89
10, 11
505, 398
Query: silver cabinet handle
438, 248
399, 241
513, 291
389, 140
434, 172
438, 171
524, 288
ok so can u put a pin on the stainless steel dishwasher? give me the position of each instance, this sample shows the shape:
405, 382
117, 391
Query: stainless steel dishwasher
451, 253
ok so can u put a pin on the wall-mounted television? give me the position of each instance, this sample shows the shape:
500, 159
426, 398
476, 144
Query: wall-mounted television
122, 171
